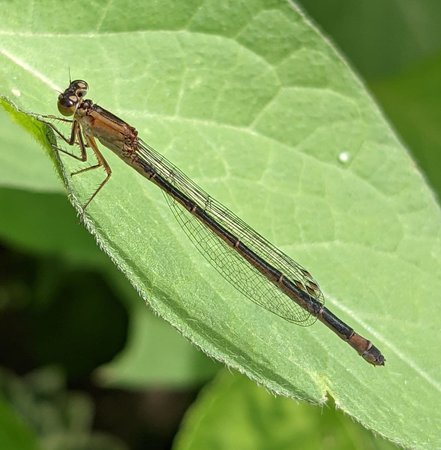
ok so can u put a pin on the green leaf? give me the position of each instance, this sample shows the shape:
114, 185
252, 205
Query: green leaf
232, 412
260, 110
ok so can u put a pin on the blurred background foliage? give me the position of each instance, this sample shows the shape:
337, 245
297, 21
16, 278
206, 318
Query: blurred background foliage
112, 375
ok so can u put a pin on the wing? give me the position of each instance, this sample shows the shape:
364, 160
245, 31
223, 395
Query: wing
230, 264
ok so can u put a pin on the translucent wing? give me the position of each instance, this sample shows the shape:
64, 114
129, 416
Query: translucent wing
228, 262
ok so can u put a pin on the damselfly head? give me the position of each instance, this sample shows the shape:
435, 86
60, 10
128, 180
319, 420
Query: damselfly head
69, 100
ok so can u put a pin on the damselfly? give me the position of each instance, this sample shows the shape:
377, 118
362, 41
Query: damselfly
248, 261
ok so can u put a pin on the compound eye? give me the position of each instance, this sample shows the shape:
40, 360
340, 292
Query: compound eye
66, 105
